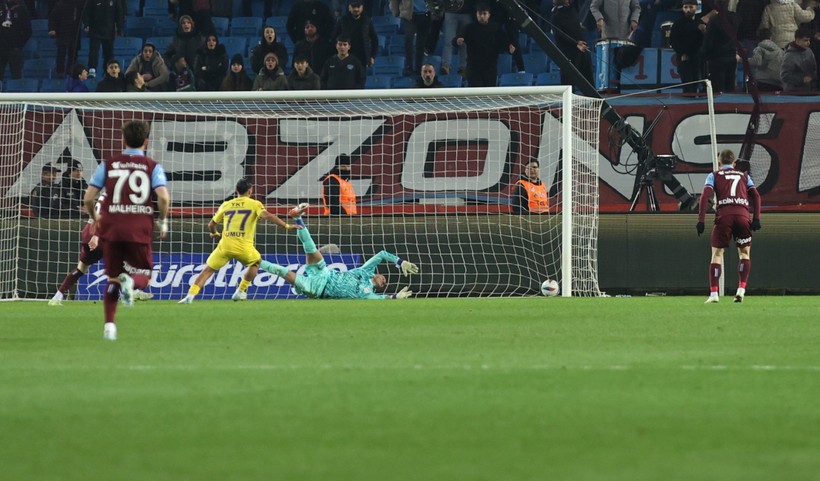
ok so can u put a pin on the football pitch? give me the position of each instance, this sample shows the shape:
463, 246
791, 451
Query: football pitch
625, 389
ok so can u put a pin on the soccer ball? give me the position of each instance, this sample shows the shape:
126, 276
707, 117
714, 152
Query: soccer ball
550, 288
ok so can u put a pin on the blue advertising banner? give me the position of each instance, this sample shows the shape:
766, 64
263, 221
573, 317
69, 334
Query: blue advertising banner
174, 273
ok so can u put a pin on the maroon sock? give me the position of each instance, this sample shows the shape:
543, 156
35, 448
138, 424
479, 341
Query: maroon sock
714, 277
141, 281
110, 298
70, 280
743, 269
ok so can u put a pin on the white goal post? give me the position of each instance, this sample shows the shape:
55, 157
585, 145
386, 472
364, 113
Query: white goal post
433, 170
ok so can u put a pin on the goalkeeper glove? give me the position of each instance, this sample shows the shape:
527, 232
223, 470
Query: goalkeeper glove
403, 294
407, 268
699, 227
756, 224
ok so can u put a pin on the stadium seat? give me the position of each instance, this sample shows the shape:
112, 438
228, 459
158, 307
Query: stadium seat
435, 60
452, 80
155, 8
386, 24
389, 65
140, 26
52, 85
38, 68
378, 82
221, 25
161, 43
247, 27
47, 48
536, 63
382, 43
553, 77
30, 49
504, 64
127, 46
132, 8
22, 85
278, 22
165, 27
39, 28
91, 83
235, 45
403, 82
395, 45
285, 6
515, 80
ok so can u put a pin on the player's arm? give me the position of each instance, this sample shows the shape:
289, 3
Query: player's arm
276, 220
405, 267
212, 229
756, 201
164, 206
703, 206
89, 200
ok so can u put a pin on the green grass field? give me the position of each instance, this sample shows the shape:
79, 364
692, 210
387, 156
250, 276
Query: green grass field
451, 389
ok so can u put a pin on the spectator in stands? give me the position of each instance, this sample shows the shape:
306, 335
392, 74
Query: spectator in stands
303, 77
749, 14
686, 39
455, 21
45, 197
570, 39
113, 80
359, 29
799, 69
236, 80
338, 194
530, 195
152, 67
135, 82
64, 25
181, 78
782, 17
76, 79
178, 8
415, 23
343, 71
247, 11
104, 21
315, 11
210, 65
766, 61
202, 17
186, 42
428, 78
719, 52
72, 189
616, 19
271, 77
314, 47
484, 40
498, 11
14, 33
337, 6
268, 44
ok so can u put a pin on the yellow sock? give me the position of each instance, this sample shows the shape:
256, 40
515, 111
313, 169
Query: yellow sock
193, 290
243, 286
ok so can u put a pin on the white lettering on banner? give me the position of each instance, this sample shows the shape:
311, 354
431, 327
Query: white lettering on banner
69, 134
810, 163
495, 132
220, 163
340, 137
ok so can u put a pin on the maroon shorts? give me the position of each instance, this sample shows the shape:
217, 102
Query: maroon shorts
738, 226
88, 256
130, 257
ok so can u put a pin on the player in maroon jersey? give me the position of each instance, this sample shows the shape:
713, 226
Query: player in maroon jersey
126, 220
736, 197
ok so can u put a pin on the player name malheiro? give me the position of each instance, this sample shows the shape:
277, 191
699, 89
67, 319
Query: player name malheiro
130, 209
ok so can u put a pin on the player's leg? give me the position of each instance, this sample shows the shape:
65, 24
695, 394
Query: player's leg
88, 257
139, 259
311, 252
70, 279
215, 261
251, 259
721, 235
113, 260
744, 267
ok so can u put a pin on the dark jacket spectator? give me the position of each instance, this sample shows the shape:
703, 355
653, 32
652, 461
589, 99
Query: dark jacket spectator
686, 38
113, 80
719, 52
211, 64
485, 39
271, 77
64, 25
799, 69
303, 77
72, 189
104, 20
152, 67
186, 42
76, 79
236, 80
359, 30
317, 11
427, 79
45, 198
14, 35
314, 47
343, 71
749, 14
181, 78
135, 82
571, 39
268, 44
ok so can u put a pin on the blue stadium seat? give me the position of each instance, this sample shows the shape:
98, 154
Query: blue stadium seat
247, 27
221, 25
155, 8
395, 45
553, 77
389, 65
435, 60
235, 45
127, 46
285, 6
165, 27
403, 82
515, 80
378, 82
52, 85
386, 24
22, 85
452, 80
132, 9
278, 22
504, 64
140, 26
536, 62
382, 43
47, 49
30, 48
38, 68
161, 43
39, 28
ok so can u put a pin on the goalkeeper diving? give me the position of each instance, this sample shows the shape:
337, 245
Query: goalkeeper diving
321, 282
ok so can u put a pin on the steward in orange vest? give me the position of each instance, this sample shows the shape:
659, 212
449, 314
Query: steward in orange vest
338, 195
530, 194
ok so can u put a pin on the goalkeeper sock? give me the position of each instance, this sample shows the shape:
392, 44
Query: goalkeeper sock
110, 298
307, 241
70, 280
272, 268
243, 286
193, 290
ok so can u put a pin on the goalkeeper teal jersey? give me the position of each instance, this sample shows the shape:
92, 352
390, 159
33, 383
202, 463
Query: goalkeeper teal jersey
355, 283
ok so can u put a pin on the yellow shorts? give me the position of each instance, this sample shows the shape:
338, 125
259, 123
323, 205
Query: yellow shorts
248, 256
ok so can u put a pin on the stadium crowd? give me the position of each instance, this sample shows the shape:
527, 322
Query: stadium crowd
211, 45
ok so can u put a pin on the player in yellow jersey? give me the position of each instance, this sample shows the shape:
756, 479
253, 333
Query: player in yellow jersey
238, 217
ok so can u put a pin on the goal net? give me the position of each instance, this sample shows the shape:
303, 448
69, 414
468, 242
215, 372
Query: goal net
433, 173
